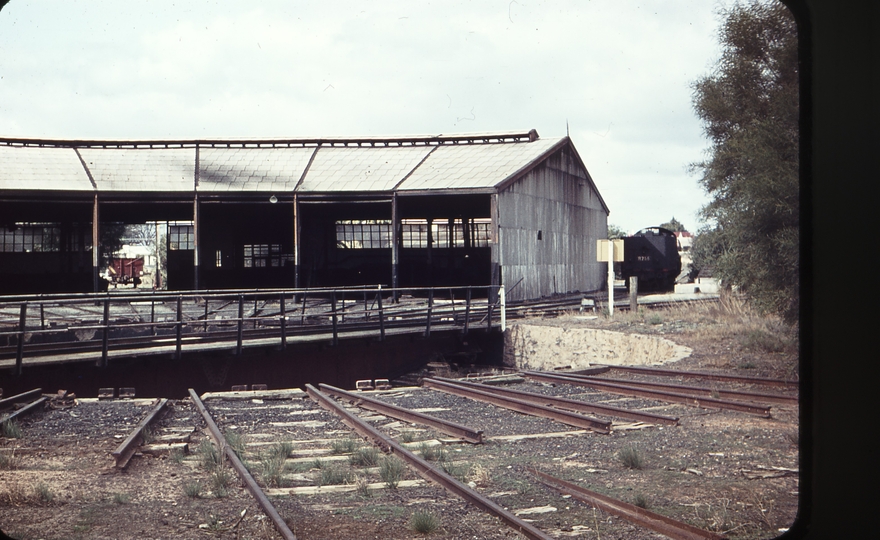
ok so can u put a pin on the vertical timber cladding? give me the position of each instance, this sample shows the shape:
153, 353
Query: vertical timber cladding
549, 220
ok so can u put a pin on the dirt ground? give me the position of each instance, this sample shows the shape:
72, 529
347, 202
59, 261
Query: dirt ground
729, 472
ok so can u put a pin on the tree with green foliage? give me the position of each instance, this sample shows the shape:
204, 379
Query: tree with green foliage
674, 225
615, 232
749, 109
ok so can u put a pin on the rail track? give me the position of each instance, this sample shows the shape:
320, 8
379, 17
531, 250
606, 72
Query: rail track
513, 463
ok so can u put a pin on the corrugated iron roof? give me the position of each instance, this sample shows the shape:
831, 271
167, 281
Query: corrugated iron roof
478, 161
361, 169
137, 169
43, 169
274, 170
474, 166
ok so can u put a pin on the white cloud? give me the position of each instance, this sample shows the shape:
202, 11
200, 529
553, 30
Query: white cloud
618, 72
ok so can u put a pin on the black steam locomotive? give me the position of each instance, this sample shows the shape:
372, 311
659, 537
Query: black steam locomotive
651, 255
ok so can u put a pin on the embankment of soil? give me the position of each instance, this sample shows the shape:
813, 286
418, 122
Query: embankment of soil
539, 347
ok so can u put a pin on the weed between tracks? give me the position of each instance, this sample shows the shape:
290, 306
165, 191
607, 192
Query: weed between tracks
391, 471
209, 456
631, 457
10, 429
43, 493
365, 456
424, 522
193, 490
9, 461
344, 446
236, 441
332, 475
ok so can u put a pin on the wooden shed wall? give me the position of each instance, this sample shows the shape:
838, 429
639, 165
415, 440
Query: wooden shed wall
557, 199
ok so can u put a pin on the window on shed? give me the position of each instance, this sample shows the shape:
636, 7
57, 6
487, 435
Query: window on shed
181, 237
265, 255
414, 233
363, 234
31, 237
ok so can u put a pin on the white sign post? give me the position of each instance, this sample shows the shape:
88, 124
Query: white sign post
610, 279
503, 296
610, 251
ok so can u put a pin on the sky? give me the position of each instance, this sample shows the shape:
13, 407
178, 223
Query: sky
616, 75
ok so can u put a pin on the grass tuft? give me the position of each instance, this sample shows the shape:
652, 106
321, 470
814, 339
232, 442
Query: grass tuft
121, 498
147, 435
177, 455
424, 522
431, 453
407, 436
43, 493
458, 471
9, 461
236, 441
282, 449
363, 486
762, 340
391, 471
10, 429
209, 456
193, 490
641, 500
334, 475
631, 458
343, 446
273, 467
221, 479
365, 456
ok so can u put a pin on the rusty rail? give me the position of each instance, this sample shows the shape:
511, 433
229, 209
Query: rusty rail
423, 468
24, 410
570, 404
704, 375
242, 471
671, 397
656, 522
519, 405
126, 450
407, 415
697, 390
24, 396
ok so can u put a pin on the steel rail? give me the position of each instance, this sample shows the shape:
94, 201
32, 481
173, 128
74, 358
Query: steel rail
711, 392
189, 340
519, 405
26, 409
243, 473
704, 375
423, 468
126, 450
672, 397
570, 404
650, 520
407, 415
24, 396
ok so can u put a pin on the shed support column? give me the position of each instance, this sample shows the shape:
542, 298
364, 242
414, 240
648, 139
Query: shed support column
395, 245
96, 244
196, 242
495, 276
430, 260
296, 242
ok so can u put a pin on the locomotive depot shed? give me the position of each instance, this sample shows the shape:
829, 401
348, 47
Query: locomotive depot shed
424, 211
